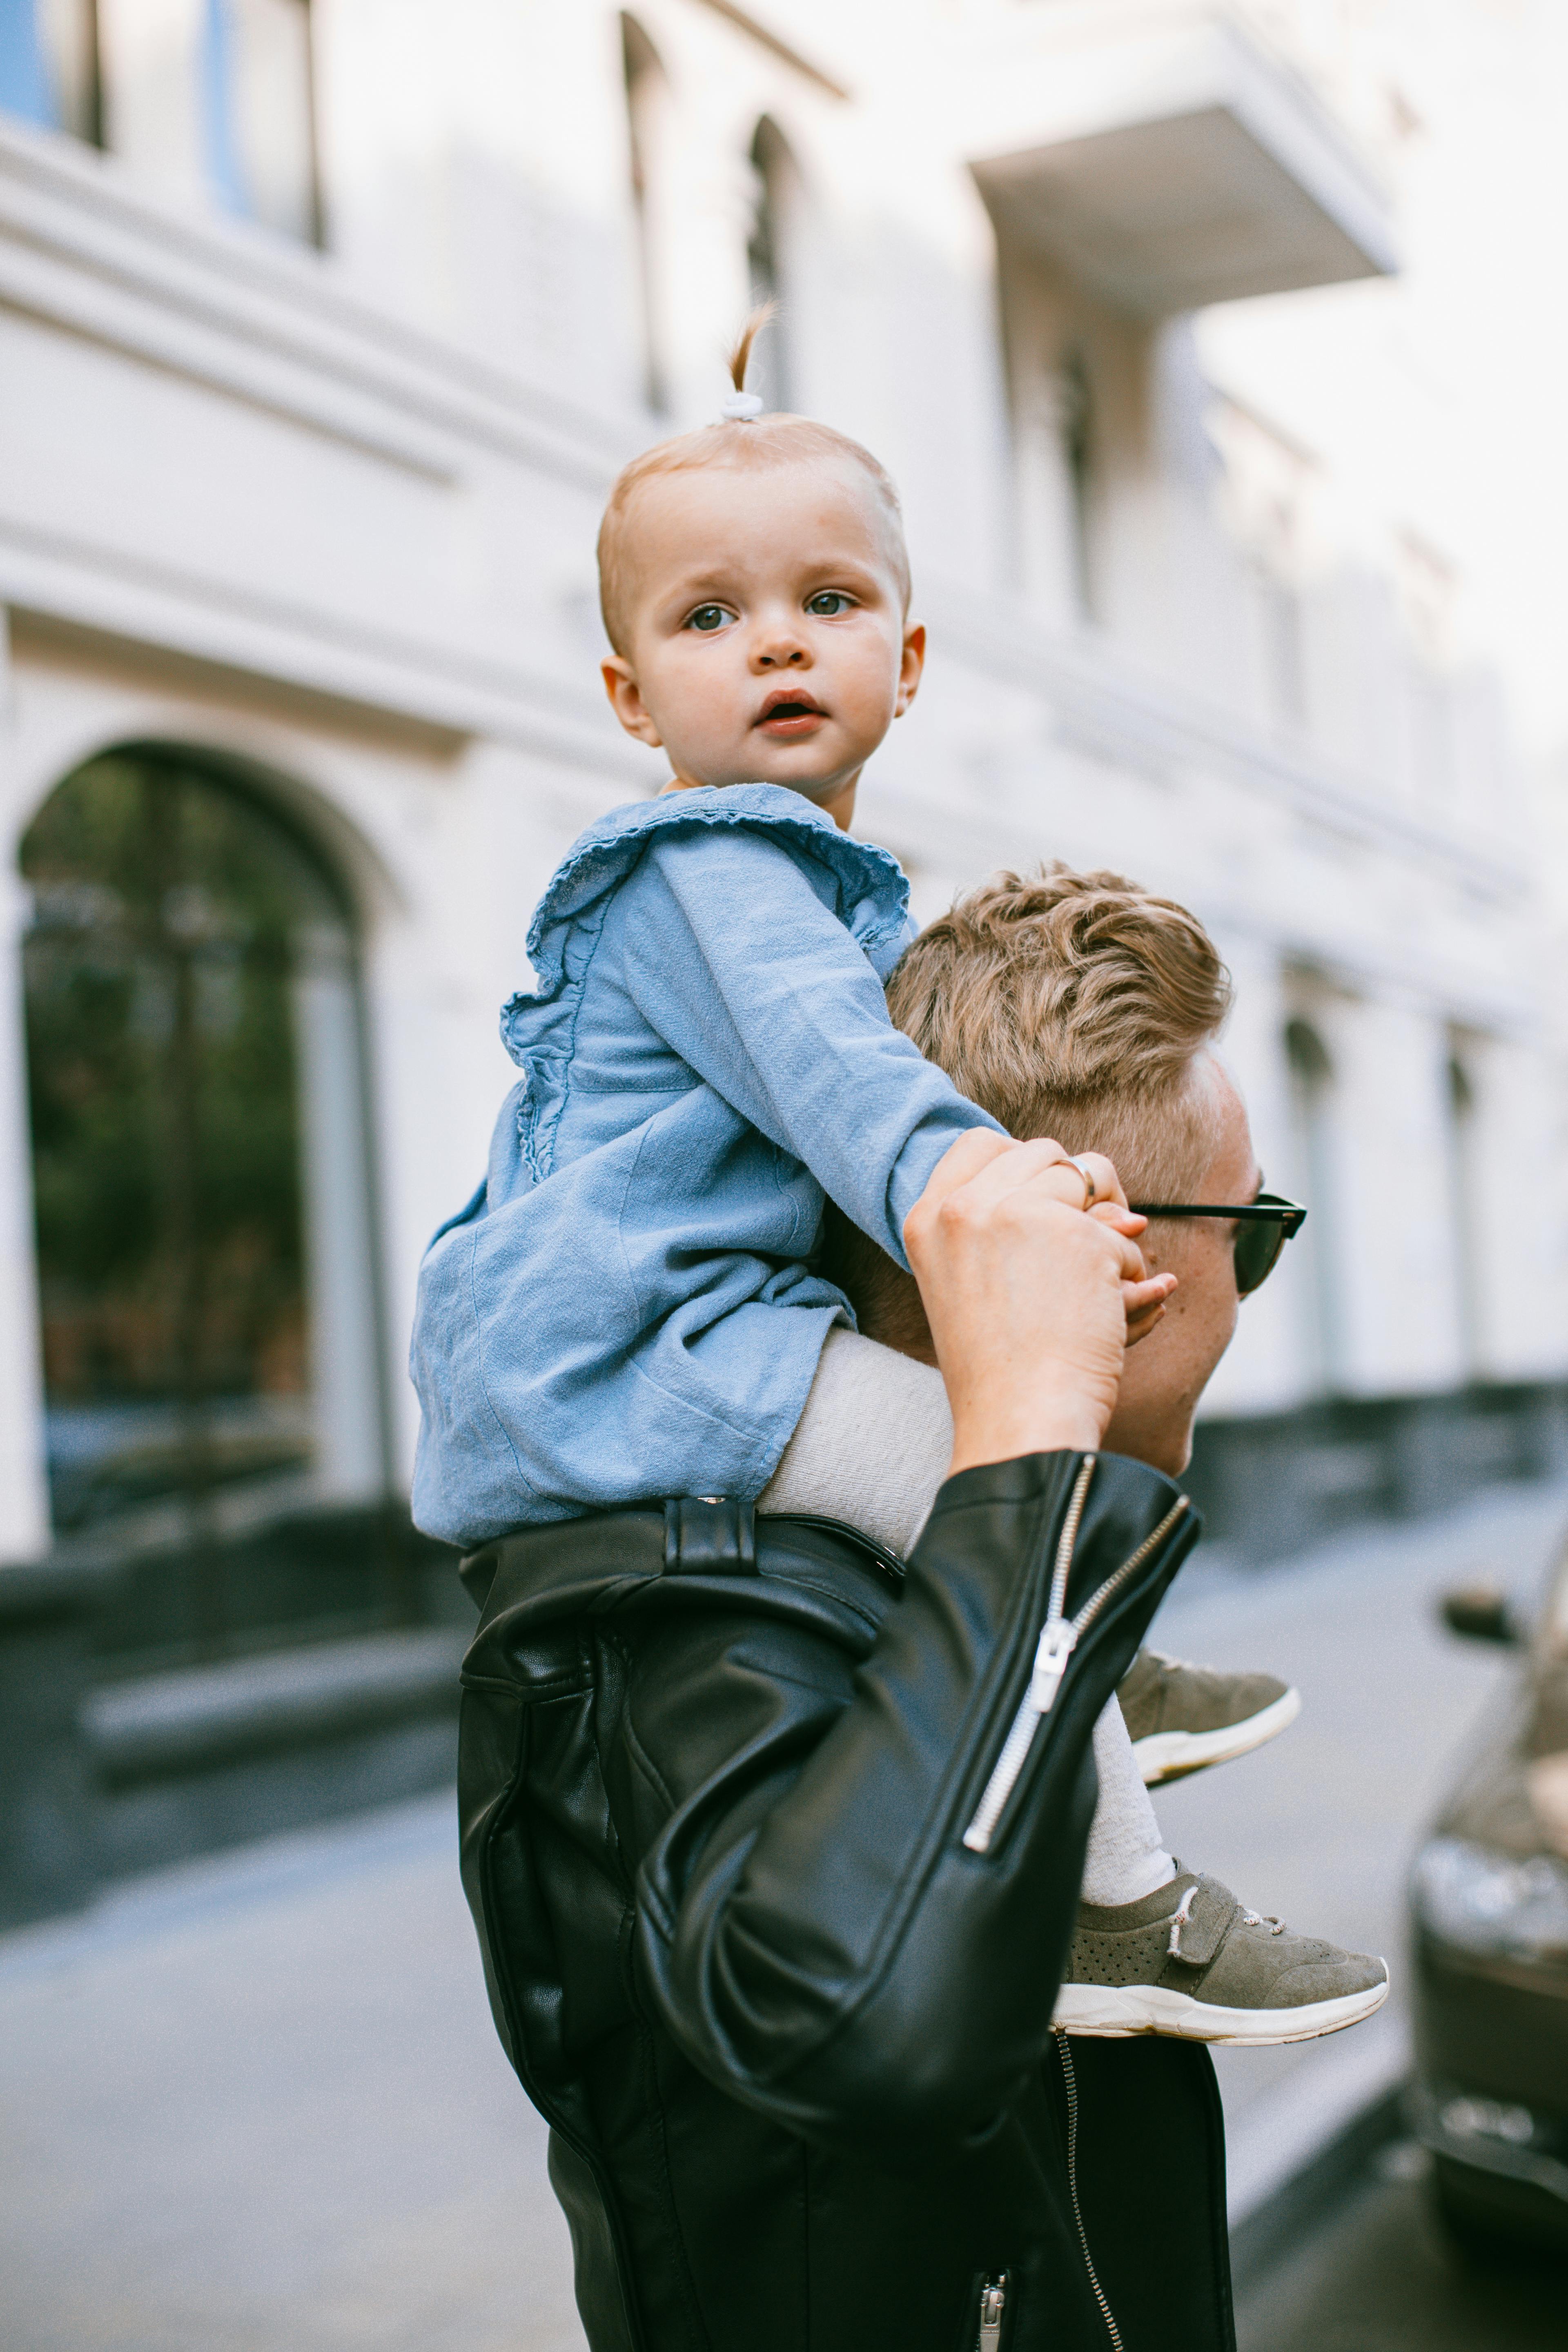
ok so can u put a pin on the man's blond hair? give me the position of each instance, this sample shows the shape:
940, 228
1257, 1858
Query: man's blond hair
751, 445
1073, 1005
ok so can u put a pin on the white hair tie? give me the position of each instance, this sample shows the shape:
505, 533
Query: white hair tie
740, 407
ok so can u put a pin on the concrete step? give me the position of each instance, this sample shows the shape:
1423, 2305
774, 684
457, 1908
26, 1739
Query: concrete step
200, 1717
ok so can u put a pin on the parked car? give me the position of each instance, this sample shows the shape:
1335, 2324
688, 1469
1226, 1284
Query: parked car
1490, 1919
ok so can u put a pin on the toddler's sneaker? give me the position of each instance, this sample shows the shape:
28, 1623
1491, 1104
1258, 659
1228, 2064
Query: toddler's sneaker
1181, 1717
1190, 1960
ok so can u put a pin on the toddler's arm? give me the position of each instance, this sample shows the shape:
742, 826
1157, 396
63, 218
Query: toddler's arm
738, 963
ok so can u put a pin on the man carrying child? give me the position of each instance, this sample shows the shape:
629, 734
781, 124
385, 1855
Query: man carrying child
775, 1807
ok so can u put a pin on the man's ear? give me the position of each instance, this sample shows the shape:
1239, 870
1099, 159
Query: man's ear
625, 700
912, 665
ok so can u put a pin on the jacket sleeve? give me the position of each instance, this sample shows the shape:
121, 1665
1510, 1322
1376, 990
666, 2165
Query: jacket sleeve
812, 1927
734, 960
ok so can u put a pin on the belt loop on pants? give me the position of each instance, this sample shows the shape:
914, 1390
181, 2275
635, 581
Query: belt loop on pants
710, 1535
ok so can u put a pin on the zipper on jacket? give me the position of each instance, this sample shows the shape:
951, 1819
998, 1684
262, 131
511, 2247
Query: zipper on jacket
1057, 1643
993, 2304
1069, 2080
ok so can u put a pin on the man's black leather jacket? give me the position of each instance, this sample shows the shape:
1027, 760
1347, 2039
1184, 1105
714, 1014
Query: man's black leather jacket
791, 2032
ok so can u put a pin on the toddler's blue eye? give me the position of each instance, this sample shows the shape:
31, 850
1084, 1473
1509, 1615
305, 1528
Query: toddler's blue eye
707, 616
829, 603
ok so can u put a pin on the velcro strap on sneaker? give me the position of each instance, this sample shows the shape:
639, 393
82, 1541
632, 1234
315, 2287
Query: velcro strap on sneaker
1202, 1924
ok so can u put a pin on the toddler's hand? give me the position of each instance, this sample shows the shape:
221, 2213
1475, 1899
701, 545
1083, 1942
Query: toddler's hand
1145, 1305
1144, 1300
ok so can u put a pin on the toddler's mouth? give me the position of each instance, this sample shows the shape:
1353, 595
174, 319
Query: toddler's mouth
789, 710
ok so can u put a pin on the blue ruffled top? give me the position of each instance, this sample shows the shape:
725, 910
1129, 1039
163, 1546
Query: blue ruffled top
626, 1308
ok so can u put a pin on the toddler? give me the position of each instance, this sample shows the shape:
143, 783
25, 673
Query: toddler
627, 1308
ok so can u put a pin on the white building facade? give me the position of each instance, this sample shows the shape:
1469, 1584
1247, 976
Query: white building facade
322, 332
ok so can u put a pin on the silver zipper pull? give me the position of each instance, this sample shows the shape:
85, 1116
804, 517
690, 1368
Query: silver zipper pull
1057, 1645
992, 2301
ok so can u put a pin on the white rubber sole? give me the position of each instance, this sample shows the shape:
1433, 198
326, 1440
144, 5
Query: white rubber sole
1170, 1755
1113, 2012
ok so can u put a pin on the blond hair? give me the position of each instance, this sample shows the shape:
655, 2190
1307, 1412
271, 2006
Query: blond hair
749, 445
1072, 1005
1066, 1004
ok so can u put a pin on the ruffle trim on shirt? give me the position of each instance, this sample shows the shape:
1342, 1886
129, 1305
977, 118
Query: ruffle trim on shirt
871, 883
876, 894
541, 1099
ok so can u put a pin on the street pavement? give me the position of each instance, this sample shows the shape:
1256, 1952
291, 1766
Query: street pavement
256, 2105
1376, 2275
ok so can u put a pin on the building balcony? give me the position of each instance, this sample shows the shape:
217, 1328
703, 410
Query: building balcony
1168, 160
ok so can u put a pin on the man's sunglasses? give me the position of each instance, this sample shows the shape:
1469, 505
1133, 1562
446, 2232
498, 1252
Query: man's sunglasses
1262, 1229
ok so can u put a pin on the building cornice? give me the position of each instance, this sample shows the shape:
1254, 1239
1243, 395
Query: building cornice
745, 21
84, 246
1104, 701
85, 249
292, 643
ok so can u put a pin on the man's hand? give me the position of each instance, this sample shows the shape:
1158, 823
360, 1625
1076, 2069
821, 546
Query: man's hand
1145, 1299
1028, 1298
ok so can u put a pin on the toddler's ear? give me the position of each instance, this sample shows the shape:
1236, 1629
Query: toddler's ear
911, 663
625, 700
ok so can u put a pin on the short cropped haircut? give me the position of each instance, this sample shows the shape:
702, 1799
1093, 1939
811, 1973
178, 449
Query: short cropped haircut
751, 445
1072, 1005
1066, 1004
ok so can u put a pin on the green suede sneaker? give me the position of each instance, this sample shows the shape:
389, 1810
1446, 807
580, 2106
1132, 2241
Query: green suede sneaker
1181, 1717
1190, 1960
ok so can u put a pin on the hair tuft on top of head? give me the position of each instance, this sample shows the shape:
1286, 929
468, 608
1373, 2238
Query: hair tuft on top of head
740, 407
739, 357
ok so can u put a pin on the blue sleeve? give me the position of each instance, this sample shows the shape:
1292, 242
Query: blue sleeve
734, 960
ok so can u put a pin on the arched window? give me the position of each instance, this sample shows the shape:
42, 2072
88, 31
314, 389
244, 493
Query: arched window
1076, 420
260, 113
205, 1256
1466, 1195
1312, 1098
771, 260
648, 112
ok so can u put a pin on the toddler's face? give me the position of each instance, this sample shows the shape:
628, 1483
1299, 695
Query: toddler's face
767, 640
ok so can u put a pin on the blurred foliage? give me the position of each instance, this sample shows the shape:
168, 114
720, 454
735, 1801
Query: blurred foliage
172, 912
